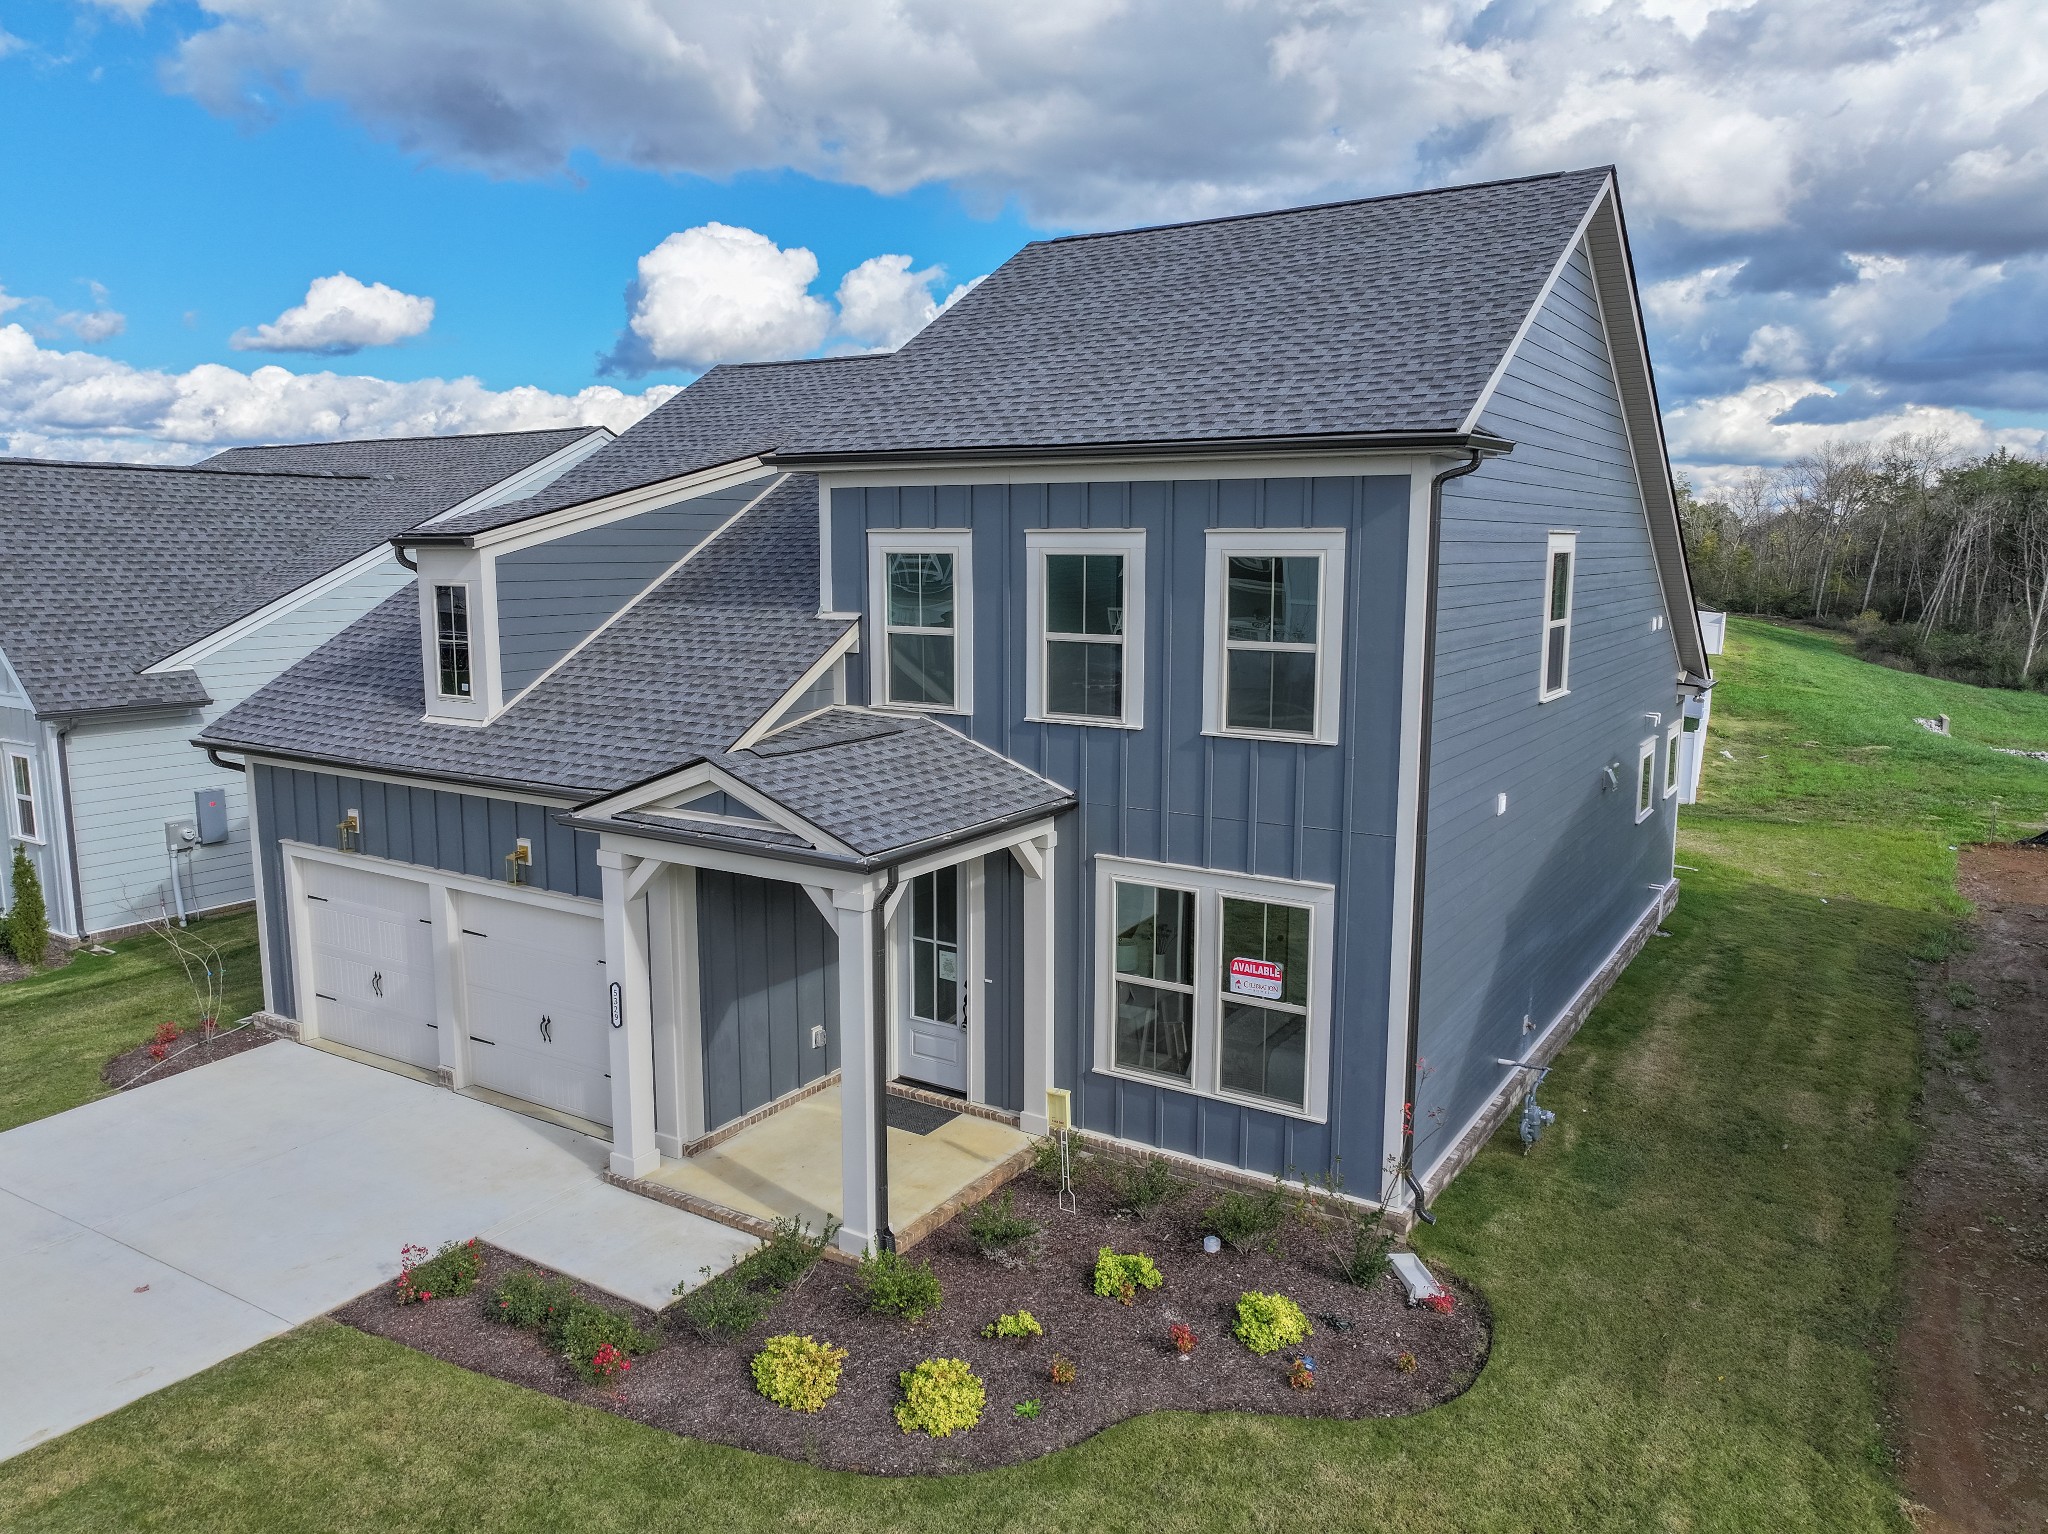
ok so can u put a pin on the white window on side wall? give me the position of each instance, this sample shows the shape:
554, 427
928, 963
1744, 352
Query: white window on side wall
1274, 610
920, 608
21, 794
1672, 737
1086, 661
453, 673
1646, 779
1560, 574
1215, 983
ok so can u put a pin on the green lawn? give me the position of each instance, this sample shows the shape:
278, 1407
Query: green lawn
58, 1028
1692, 1275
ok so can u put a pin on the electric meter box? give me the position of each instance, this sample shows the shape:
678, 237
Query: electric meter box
211, 813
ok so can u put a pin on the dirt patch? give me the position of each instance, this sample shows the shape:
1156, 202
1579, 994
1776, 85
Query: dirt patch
1127, 1364
1973, 1350
137, 1067
59, 955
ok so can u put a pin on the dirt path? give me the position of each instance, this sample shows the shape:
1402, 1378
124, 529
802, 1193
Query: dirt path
1973, 1347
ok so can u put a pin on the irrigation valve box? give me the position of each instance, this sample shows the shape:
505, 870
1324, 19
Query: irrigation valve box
210, 807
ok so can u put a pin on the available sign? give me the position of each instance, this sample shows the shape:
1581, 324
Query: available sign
1256, 977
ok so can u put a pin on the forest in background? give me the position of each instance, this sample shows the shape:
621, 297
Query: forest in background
1935, 560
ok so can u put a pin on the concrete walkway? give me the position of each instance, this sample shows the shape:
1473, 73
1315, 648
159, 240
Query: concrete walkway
151, 1234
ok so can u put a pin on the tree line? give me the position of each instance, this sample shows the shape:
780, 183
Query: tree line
1935, 559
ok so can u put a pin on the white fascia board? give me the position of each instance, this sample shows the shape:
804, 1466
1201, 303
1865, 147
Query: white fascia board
1542, 297
1261, 465
767, 724
710, 775
532, 479
213, 643
12, 693
612, 508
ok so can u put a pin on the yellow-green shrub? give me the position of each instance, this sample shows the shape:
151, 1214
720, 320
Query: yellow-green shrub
1121, 1276
1267, 1323
798, 1372
1021, 1325
941, 1396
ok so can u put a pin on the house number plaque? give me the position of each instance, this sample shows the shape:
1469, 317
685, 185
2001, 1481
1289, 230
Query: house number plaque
618, 1006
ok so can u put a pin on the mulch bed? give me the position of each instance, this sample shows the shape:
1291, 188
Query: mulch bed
134, 1067
1127, 1366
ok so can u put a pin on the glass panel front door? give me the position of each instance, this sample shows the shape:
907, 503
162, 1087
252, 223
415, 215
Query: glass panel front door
933, 1046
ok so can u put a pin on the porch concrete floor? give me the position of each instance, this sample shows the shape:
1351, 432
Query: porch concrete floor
789, 1164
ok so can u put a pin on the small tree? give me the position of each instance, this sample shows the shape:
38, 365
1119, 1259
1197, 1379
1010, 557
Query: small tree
26, 927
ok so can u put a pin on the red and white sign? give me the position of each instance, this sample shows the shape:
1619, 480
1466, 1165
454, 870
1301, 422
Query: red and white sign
1256, 977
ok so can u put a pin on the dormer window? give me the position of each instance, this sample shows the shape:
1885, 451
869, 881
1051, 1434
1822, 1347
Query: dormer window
451, 639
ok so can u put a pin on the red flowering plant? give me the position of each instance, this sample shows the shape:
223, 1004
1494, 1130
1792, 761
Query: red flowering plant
451, 1271
1441, 1302
1182, 1336
161, 1041
610, 1365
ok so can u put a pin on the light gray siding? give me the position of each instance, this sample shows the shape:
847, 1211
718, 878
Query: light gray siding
769, 972
555, 594
1521, 909
461, 833
21, 731
1171, 794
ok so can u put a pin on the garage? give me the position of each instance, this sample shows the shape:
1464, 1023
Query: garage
535, 1004
370, 938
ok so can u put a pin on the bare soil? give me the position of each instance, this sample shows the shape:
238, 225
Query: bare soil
135, 1067
1972, 1384
59, 955
1127, 1365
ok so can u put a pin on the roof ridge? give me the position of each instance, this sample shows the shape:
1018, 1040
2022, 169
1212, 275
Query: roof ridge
430, 436
797, 362
1320, 207
190, 468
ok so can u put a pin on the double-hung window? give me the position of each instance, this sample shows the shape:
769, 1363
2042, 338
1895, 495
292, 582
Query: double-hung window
1672, 737
451, 640
921, 584
1217, 983
1086, 663
1275, 624
21, 790
1559, 572
1646, 778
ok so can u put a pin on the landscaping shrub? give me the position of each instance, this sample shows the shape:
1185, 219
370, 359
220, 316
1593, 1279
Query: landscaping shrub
1020, 1325
734, 1302
526, 1300
1367, 1260
1121, 1275
800, 1373
896, 1286
1242, 1220
1045, 1162
784, 1257
1267, 1323
1000, 1234
25, 929
1182, 1336
1063, 1371
451, 1271
1142, 1186
566, 1322
941, 1396
723, 1306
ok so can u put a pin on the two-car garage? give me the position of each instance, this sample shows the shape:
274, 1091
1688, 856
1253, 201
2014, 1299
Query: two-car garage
385, 958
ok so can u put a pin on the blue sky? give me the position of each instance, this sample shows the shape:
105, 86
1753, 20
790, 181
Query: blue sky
550, 212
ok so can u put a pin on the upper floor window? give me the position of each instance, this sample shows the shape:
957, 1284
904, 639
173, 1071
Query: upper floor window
1087, 600
921, 604
1275, 622
1559, 573
21, 786
451, 639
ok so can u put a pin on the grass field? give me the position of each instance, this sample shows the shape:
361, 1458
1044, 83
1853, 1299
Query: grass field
58, 1028
1692, 1276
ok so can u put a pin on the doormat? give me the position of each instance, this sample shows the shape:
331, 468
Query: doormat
914, 1117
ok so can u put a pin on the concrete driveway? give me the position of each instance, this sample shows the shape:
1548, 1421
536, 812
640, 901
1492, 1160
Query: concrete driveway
151, 1234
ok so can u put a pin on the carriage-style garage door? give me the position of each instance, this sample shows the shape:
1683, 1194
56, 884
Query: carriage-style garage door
535, 1004
371, 961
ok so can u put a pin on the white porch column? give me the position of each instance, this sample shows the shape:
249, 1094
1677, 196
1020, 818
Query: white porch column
634, 1152
1036, 859
859, 1165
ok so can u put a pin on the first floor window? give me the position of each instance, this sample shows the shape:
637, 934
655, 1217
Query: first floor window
1646, 770
1155, 973
21, 783
451, 639
1265, 1000
1671, 740
1557, 615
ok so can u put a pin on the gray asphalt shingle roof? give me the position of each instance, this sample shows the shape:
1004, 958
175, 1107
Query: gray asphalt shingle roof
107, 568
455, 467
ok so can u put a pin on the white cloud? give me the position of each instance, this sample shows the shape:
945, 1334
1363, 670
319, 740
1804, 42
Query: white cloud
718, 293
340, 315
883, 303
1736, 431
77, 404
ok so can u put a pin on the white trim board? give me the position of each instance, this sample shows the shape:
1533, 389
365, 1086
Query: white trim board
531, 480
956, 541
771, 722
550, 525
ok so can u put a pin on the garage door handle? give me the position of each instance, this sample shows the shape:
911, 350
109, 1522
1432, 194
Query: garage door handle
547, 1028
377, 982
475, 1040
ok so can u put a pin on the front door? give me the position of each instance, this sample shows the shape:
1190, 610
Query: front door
932, 1046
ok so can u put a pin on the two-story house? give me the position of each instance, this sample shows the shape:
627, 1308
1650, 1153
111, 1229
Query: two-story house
1218, 681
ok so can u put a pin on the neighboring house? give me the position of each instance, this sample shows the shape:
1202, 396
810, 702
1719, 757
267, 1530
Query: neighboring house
137, 603
1221, 681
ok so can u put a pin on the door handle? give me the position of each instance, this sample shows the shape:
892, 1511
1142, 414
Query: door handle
547, 1029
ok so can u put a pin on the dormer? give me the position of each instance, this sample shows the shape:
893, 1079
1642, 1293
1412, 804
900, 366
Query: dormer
458, 635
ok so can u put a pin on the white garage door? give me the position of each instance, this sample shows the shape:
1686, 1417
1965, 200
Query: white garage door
537, 1010
371, 965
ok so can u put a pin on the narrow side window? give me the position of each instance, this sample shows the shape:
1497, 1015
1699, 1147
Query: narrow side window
1672, 737
451, 639
1560, 573
21, 782
1155, 972
1646, 779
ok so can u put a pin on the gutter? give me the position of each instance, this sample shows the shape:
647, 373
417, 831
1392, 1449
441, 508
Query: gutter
213, 755
1380, 442
1429, 617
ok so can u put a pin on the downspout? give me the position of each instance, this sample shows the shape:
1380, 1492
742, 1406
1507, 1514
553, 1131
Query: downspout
70, 826
885, 1237
1429, 614
213, 755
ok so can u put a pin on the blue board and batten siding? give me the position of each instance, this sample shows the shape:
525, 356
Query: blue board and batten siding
458, 833
768, 968
554, 595
1170, 794
1522, 909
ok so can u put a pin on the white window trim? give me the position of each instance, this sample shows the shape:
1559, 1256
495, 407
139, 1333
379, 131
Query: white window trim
468, 640
1672, 769
1209, 887
1129, 542
1646, 803
1565, 542
1330, 594
26, 755
959, 542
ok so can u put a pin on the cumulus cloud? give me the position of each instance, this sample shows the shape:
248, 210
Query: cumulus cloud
340, 315
883, 303
43, 319
78, 404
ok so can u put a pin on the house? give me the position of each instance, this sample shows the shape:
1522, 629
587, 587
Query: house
1218, 683
137, 603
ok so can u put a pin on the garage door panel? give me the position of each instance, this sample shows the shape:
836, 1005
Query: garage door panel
535, 1004
371, 961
